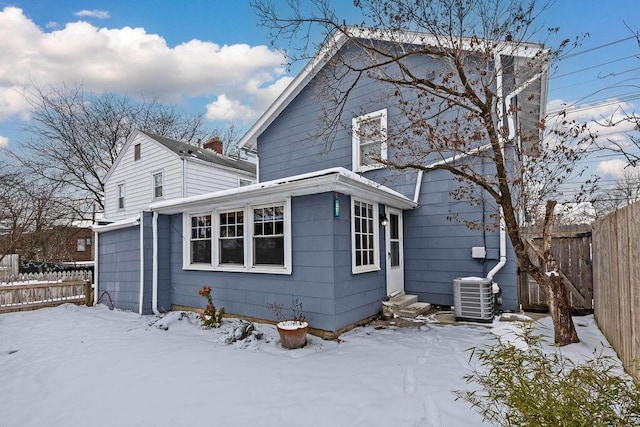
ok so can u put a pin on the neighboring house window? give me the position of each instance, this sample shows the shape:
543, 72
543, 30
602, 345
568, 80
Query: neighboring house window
244, 182
201, 239
88, 241
369, 140
81, 245
120, 196
251, 238
157, 185
268, 235
136, 152
364, 236
231, 238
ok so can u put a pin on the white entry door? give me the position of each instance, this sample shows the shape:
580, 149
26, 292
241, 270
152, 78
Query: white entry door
394, 250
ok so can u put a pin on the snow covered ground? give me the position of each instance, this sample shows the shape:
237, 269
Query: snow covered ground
79, 366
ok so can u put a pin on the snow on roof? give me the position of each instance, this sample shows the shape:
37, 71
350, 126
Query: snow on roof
334, 179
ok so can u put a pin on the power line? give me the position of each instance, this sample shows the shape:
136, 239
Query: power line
563, 57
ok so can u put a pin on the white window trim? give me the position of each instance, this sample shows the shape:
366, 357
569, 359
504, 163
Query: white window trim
187, 240
216, 236
153, 185
376, 239
248, 266
355, 143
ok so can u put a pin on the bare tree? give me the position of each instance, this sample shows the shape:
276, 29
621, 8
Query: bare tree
76, 135
475, 118
28, 207
624, 191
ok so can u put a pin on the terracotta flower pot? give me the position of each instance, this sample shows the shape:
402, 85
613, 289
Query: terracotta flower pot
293, 333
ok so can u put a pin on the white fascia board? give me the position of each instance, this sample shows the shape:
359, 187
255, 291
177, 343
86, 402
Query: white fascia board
249, 140
117, 225
329, 180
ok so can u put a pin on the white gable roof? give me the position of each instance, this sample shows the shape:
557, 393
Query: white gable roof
249, 140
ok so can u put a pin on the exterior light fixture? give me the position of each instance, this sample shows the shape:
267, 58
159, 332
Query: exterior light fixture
384, 221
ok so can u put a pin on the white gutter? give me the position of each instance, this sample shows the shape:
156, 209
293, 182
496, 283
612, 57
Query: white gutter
125, 223
154, 292
141, 263
96, 250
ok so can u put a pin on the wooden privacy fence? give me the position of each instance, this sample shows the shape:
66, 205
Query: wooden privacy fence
29, 292
571, 246
616, 283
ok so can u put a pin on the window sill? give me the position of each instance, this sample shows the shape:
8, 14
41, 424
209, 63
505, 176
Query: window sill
239, 269
367, 269
369, 168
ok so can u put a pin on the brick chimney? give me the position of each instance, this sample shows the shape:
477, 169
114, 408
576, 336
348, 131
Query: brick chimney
214, 144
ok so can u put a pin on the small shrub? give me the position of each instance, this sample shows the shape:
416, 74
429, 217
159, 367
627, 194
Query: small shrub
243, 331
528, 387
210, 317
295, 308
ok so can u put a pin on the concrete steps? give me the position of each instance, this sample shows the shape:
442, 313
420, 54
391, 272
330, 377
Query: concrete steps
405, 305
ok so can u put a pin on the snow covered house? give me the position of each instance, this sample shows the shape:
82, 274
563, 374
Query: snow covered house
325, 224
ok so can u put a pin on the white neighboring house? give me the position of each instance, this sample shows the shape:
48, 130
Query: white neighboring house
150, 168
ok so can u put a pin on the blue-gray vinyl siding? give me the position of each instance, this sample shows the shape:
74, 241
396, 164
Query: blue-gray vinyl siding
331, 296
119, 268
437, 248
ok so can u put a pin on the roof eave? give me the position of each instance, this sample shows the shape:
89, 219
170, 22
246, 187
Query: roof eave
333, 180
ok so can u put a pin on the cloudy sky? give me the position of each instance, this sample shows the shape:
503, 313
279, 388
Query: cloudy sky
212, 57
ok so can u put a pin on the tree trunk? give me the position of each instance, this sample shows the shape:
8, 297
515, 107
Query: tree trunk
564, 331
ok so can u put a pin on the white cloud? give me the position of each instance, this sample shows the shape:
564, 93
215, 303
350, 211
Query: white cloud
599, 119
4, 141
52, 25
129, 60
100, 14
226, 109
614, 168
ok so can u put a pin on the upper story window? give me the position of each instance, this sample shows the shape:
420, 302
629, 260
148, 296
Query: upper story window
369, 134
120, 196
81, 247
136, 152
157, 185
364, 237
244, 182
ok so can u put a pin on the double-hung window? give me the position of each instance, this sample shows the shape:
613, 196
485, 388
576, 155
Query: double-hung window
364, 236
252, 238
120, 196
231, 238
369, 140
268, 235
157, 185
200, 242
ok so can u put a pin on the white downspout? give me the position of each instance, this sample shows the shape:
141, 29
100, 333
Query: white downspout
416, 194
96, 250
512, 133
154, 295
503, 226
140, 301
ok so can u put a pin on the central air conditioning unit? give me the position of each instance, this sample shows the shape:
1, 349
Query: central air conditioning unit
473, 299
